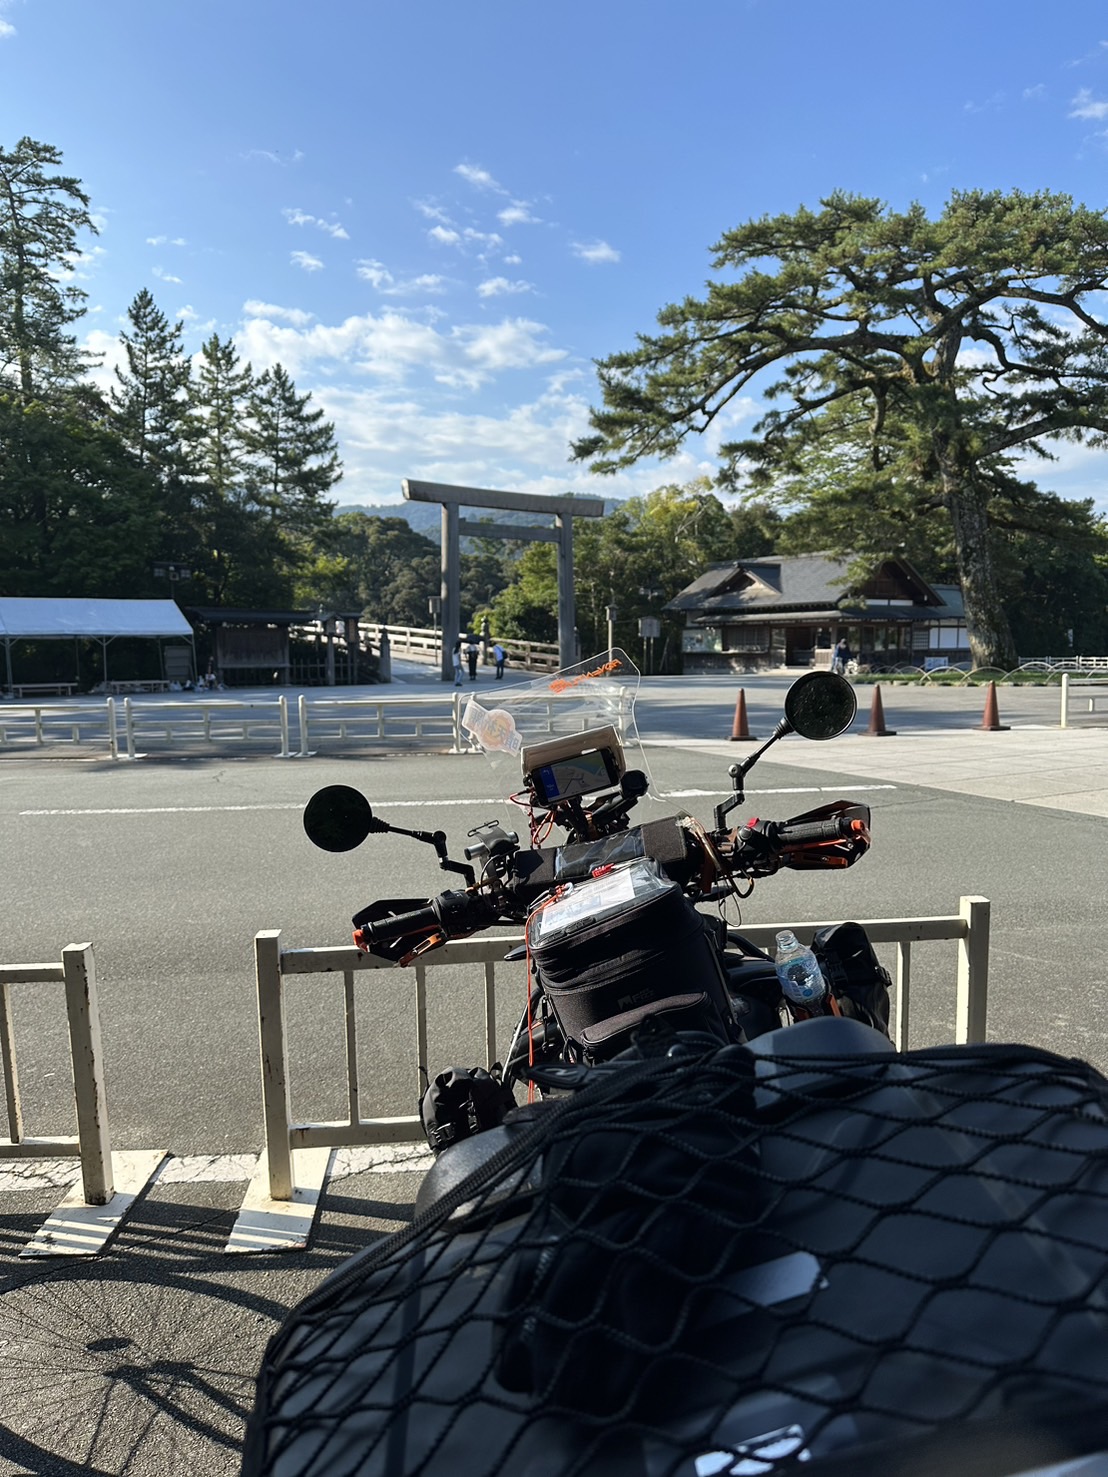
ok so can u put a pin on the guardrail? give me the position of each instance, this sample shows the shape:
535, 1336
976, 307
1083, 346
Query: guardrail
426, 645
126, 727
109, 1183
1092, 690
285, 1137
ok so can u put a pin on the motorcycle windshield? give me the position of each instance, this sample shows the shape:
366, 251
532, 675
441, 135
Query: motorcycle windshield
593, 694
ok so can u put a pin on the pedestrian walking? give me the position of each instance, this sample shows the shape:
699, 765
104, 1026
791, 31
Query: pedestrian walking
841, 656
458, 662
471, 657
499, 656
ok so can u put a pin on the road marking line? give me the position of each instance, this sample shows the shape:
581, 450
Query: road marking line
421, 804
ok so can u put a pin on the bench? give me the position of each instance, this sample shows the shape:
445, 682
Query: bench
138, 684
44, 689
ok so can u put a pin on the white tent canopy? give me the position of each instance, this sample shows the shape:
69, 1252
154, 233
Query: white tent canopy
89, 620
98, 620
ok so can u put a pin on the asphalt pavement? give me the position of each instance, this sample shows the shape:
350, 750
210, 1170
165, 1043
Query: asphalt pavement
142, 1361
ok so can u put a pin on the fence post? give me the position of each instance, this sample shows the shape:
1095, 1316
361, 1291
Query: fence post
88, 1073
283, 708
1064, 722
973, 971
302, 717
275, 1067
113, 731
129, 725
11, 1072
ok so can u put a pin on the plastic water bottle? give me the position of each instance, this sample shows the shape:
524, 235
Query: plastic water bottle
798, 972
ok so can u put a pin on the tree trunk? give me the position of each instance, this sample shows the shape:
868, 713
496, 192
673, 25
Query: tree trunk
990, 636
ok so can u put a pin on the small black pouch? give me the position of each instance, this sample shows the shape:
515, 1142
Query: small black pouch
854, 975
614, 950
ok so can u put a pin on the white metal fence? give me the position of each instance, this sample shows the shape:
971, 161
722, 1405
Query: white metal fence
284, 1135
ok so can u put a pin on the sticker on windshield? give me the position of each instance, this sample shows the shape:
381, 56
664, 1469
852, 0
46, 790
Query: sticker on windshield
493, 728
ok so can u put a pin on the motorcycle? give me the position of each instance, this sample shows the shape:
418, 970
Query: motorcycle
722, 1233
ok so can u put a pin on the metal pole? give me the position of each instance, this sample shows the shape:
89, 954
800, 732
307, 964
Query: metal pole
302, 715
113, 731
1064, 722
283, 709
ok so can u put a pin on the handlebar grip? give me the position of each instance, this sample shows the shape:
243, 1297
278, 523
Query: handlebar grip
808, 833
399, 924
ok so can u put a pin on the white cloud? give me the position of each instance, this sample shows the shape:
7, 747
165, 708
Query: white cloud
301, 218
166, 241
378, 274
492, 348
164, 276
305, 260
268, 156
496, 286
595, 252
444, 236
375, 272
253, 308
1034, 94
513, 260
393, 345
480, 178
517, 214
1085, 105
7, 30
432, 212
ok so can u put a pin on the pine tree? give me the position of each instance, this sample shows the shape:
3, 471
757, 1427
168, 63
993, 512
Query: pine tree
41, 217
295, 455
219, 404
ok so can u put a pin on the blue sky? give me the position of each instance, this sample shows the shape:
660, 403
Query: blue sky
437, 215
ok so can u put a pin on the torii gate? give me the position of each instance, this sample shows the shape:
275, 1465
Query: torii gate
565, 509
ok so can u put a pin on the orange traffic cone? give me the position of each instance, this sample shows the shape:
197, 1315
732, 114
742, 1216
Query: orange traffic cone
739, 730
877, 727
991, 723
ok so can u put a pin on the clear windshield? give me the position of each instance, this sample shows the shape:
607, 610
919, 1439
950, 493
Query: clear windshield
591, 694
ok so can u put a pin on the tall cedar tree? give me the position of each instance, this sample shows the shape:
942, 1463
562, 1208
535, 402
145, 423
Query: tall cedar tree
41, 217
220, 398
150, 412
960, 342
294, 454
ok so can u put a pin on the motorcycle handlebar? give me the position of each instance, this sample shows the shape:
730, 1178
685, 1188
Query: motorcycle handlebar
755, 850
814, 832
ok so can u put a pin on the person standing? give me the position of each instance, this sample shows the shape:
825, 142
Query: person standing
841, 656
471, 656
499, 656
458, 662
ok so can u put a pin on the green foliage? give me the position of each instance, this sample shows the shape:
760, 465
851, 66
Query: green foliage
912, 357
41, 218
77, 515
381, 567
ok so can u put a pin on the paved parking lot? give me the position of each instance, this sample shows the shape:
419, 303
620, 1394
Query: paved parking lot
142, 1361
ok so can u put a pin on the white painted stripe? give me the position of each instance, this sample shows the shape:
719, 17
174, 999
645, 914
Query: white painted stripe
424, 804
205, 1169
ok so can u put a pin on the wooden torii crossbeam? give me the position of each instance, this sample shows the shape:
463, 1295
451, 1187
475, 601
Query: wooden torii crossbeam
565, 509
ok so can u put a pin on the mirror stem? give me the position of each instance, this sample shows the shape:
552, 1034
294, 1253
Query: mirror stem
738, 773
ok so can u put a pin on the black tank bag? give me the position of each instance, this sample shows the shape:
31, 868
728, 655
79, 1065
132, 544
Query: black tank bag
612, 951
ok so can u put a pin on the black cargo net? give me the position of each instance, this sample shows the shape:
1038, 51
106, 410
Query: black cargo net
738, 1265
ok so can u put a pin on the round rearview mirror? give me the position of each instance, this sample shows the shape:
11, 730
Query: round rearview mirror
820, 705
338, 818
